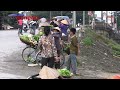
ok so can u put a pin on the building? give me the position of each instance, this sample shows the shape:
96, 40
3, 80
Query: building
107, 16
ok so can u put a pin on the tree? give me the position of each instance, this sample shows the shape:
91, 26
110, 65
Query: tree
46, 14
4, 19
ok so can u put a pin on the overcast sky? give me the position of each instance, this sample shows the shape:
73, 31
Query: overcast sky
99, 13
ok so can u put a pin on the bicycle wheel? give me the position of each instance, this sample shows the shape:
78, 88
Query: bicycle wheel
28, 54
34, 77
38, 58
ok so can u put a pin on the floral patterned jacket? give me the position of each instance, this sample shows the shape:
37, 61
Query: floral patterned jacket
48, 46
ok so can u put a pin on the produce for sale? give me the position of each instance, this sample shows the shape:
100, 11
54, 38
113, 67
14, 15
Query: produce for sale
29, 39
65, 72
36, 37
25, 38
67, 48
40, 33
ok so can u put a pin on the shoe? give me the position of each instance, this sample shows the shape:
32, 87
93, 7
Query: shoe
76, 74
40, 64
32, 65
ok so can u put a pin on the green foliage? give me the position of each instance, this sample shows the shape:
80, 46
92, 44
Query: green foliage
6, 19
40, 33
116, 53
64, 72
116, 47
87, 41
25, 38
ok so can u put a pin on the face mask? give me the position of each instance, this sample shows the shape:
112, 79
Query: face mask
56, 32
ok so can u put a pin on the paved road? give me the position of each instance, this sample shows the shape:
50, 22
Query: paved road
11, 64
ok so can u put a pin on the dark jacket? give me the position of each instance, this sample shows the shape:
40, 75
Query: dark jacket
57, 40
64, 28
74, 45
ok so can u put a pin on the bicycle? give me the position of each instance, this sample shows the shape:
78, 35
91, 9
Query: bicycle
29, 53
38, 57
32, 53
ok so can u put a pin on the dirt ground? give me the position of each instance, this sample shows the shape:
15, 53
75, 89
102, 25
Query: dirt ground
97, 62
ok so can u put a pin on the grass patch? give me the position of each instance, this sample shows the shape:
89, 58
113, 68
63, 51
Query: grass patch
116, 53
116, 47
87, 41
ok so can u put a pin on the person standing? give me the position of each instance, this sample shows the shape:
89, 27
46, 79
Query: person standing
57, 37
25, 23
49, 51
20, 24
33, 24
64, 27
54, 22
74, 50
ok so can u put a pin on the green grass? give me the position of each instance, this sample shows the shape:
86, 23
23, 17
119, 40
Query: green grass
116, 53
88, 41
116, 47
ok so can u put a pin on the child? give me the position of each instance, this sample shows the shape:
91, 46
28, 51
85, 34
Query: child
74, 50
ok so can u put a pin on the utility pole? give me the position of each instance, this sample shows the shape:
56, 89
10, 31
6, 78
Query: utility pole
50, 15
74, 19
106, 16
111, 18
83, 19
116, 20
61, 13
101, 15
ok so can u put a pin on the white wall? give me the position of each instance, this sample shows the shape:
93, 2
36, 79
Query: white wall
98, 13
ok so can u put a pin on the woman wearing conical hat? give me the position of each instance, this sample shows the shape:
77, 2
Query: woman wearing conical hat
57, 38
64, 27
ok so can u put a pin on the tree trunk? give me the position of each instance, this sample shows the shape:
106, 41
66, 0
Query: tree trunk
0, 23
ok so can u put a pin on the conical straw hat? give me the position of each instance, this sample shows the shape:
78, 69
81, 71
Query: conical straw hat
64, 22
44, 24
57, 28
43, 20
48, 73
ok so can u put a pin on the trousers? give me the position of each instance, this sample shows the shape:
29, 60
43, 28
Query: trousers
47, 62
72, 63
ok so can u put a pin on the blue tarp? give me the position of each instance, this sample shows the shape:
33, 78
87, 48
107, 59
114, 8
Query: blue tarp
14, 15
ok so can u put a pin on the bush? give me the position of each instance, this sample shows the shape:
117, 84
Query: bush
116, 53
88, 41
116, 47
